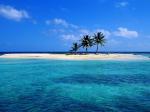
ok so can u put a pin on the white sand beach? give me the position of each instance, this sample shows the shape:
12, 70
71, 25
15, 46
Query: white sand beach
77, 57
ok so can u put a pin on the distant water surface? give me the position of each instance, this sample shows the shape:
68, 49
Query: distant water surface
41, 85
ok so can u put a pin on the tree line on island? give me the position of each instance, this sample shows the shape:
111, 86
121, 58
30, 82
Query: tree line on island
87, 41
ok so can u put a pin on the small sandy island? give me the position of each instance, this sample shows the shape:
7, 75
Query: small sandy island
78, 57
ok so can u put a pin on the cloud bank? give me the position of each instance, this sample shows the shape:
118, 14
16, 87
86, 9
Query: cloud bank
62, 22
122, 4
9, 12
70, 33
124, 32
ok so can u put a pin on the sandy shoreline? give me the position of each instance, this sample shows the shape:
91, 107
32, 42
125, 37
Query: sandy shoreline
78, 57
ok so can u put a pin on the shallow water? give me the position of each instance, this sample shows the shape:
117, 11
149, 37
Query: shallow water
33, 85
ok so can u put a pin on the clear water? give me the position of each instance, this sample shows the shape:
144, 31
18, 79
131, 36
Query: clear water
31, 85
144, 54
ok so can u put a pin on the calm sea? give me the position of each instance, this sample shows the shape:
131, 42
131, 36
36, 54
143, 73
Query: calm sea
41, 85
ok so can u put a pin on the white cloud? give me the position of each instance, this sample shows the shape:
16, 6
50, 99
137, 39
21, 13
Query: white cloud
80, 32
91, 32
70, 37
122, 4
124, 32
76, 34
56, 30
62, 22
12, 13
68, 33
84, 31
105, 32
57, 21
73, 26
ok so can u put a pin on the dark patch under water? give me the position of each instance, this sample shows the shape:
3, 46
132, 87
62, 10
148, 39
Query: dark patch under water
104, 79
53, 101
61, 86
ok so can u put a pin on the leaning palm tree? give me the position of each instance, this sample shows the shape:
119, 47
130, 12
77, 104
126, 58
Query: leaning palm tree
74, 47
86, 42
99, 39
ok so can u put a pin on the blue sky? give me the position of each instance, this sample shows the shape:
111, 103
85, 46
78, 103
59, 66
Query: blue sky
52, 25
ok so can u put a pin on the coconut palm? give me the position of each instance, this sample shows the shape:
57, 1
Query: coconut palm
86, 42
74, 47
99, 39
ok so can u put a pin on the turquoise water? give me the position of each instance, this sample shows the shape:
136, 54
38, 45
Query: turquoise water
33, 85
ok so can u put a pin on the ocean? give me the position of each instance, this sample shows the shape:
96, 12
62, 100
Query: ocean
42, 85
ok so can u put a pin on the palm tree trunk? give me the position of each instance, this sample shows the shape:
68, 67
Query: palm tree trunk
97, 49
86, 50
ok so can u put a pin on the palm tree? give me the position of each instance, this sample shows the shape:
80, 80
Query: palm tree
99, 39
74, 47
86, 42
